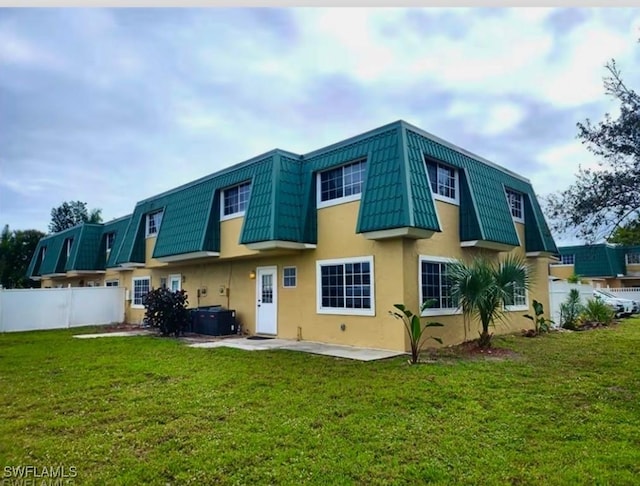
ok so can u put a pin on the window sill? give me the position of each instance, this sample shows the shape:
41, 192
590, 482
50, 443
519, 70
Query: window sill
516, 308
441, 312
137, 306
335, 202
445, 199
232, 216
347, 312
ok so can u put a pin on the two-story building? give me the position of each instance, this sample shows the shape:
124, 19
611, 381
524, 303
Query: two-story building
320, 246
603, 265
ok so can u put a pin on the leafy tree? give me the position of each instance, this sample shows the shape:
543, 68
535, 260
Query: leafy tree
604, 199
627, 234
483, 288
16, 250
72, 213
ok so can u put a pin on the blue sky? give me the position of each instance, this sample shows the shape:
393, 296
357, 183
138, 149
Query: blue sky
113, 106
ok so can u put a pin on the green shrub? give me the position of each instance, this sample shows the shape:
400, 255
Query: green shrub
597, 312
167, 310
541, 324
415, 329
570, 310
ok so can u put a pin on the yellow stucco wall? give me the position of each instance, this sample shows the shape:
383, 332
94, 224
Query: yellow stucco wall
226, 280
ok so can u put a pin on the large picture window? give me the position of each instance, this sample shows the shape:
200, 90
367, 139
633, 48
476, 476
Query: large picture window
346, 286
235, 200
443, 180
435, 286
342, 184
141, 287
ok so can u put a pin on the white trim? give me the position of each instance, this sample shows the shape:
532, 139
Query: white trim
283, 277
54, 275
188, 256
157, 224
74, 273
447, 311
508, 190
237, 214
404, 232
563, 264
344, 310
133, 291
344, 199
488, 245
456, 180
132, 265
274, 288
535, 254
275, 244
175, 276
626, 258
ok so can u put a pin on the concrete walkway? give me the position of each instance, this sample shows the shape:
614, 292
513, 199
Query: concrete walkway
335, 350
113, 334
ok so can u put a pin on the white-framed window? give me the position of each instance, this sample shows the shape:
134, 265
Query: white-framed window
109, 239
175, 282
515, 201
519, 301
435, 287
112, 283
341, 184
289, 277
346, 286
67, 246
154, 220
567, 259
444, 181
633, 258
140, 287
235, 200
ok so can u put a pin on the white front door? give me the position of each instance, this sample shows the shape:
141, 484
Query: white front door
175, 282
267, 300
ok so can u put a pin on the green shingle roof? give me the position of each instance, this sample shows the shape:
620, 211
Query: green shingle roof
88, 249
601, 260
282, 206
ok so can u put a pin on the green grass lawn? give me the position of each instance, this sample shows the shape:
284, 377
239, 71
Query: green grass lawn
149, 410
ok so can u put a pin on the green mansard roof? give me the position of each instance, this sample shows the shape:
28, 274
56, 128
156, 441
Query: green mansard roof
600, 260
282, 207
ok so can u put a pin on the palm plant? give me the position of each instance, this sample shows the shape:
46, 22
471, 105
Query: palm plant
484, 287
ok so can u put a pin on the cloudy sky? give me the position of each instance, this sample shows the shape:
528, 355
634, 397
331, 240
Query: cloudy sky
113, 106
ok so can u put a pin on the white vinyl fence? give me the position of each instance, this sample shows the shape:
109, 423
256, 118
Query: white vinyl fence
631, 293
558, 293
32, 309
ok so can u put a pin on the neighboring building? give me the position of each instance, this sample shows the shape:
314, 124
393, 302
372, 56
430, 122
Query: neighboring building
320, 246
604, 265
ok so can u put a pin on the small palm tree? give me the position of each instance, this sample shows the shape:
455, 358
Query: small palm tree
483, 288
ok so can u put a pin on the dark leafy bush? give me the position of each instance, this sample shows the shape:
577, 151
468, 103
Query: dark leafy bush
167, 310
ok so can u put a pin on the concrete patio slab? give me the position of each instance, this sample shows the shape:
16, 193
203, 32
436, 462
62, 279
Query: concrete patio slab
337, 351
113, 334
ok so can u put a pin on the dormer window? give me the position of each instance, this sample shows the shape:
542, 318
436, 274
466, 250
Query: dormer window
67, 246
568, 259
515, 204
342, 184
109, 240
153, 223
633, 258
235, 200
444, 181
